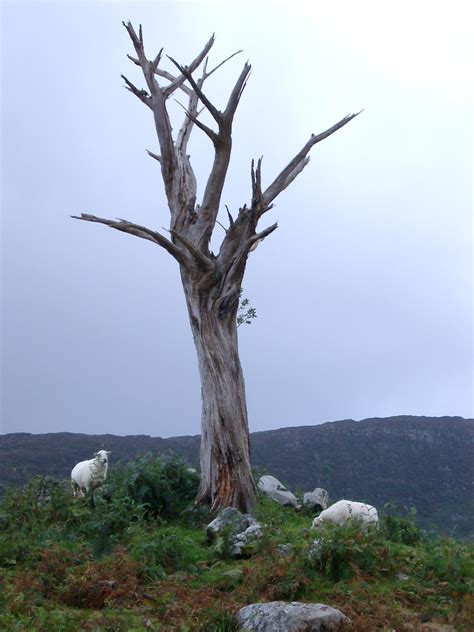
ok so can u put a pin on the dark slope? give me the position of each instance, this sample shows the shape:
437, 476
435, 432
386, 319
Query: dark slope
415, 461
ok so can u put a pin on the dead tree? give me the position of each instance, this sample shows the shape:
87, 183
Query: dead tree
211, 282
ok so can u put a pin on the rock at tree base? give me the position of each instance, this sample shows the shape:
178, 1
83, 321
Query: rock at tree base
281, 616
243, 531
272, 487
317, 500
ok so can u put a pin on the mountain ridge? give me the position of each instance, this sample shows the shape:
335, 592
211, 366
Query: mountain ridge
416, 461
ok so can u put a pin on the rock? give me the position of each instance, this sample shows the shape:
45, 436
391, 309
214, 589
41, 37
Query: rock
242, 529
402, 577
317, 500
281, 616
229, 518
284, 549
314, 551
228, 580
245, 543
272, 488
48, 486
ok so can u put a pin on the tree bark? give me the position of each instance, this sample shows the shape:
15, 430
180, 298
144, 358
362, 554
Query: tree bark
226, 479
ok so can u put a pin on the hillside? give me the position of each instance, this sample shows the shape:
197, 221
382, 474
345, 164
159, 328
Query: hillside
145, 560
414, 461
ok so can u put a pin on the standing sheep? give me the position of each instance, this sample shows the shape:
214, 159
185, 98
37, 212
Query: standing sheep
346, 511
90, 474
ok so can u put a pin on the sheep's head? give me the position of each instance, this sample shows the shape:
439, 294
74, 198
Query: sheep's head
102, 456
317, 522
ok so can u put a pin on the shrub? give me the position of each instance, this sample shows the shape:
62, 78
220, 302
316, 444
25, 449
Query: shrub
397, 527
450, 562
344, 552
162, 485
110, 581
44, 512
163, 551
31, 518
218, 621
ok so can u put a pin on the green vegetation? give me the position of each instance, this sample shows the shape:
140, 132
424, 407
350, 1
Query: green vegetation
137, 559
246, 313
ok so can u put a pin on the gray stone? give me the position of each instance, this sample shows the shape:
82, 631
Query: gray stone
284, 549
314, 551
231, 519
245, 543
317, 500
272, 488
243, 531
47, 488
281, 616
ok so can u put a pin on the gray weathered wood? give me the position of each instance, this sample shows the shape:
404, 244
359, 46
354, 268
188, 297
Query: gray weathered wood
211, 282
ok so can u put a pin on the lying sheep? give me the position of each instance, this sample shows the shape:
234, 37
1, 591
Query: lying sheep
90, 474
345, 511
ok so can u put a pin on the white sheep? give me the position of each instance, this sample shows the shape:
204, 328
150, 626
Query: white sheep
346, 511
90, 474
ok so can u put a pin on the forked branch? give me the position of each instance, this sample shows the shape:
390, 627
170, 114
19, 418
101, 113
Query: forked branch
216, 115
179, 81
156, 102
203, 262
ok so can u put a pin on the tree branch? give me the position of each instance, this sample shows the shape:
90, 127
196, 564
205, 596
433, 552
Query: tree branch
139, 231
167, 75
203, 262
152, 155
178, 81
259, 237
256, 175
137, 41
157, 103
236, 93
216, 115
231, 219
191, 116
141, 94
208, 74
298, 163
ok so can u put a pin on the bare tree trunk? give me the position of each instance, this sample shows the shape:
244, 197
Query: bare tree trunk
211, 283
226, 479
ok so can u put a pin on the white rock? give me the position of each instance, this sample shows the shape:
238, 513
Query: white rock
317, 500
281, 616
272, 488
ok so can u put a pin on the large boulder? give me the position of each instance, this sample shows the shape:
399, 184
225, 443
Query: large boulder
317, 500
242, 530
281, 616
272, 488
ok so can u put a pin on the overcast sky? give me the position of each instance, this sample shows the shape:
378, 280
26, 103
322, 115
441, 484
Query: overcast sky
363, 294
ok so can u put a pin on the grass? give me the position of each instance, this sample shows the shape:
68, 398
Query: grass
140, 560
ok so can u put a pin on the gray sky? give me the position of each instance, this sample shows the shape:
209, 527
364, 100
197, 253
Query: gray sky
363, 294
